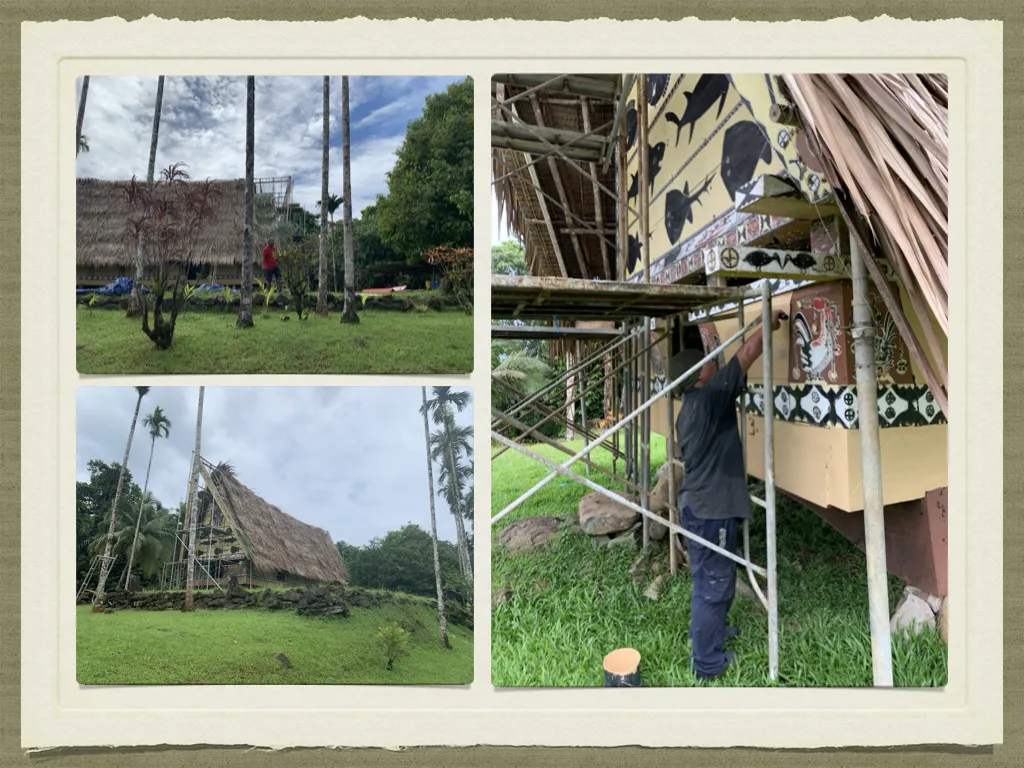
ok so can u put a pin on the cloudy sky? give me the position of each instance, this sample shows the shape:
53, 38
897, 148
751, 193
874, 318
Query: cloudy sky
348, 459
202, 124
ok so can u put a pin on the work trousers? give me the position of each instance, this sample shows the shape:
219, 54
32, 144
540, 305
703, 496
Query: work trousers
714, 587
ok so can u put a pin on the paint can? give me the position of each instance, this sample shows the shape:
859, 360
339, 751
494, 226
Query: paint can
622, 669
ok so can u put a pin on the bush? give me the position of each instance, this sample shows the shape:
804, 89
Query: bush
394, 641
456, 265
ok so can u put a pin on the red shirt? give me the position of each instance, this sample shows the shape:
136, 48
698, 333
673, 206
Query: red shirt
269, 262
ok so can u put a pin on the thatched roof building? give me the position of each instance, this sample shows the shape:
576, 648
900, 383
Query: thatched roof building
102, 235
556, 212
260, 540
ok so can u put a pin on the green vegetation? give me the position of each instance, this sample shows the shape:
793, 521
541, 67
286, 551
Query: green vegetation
240, 647
570, 603
208, 342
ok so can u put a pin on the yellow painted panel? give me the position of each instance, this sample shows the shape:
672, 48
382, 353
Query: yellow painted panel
915, 460
695, 179
917, 326
733, 141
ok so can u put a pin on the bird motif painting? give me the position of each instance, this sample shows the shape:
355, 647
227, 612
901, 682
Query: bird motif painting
817, 340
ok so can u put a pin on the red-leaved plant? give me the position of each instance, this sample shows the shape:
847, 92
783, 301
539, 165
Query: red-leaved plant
168, 216
456, 265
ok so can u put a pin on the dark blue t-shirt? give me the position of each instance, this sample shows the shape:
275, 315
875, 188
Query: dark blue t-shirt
715, 479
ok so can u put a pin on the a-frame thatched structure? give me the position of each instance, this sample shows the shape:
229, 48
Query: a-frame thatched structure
241, 534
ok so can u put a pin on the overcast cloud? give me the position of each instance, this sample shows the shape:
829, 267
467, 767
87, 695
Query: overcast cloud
347, 459
202, 124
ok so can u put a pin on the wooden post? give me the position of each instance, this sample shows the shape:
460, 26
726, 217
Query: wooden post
622, 669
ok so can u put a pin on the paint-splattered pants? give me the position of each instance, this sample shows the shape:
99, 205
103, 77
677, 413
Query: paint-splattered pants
714, 587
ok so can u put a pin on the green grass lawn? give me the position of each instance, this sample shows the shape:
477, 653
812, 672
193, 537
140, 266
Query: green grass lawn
571, 604
238, 647
208, 343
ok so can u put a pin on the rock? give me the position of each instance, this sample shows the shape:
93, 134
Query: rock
653, 591
529, 533
659, 496
283, 660
934, 601
626, 539
600, 515
912, 614
636, 570
943, 621
500, 595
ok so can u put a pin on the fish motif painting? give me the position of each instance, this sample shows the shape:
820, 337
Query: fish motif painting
679, 208
632, 124
656, 153
634, 254
708, 90
656, 87
745, 146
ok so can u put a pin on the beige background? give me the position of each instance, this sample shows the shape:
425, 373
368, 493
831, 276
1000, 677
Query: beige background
663, 721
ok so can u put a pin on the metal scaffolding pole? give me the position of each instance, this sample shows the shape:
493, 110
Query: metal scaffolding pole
627, 420
769, 478
871, 472
583, 400
565, 472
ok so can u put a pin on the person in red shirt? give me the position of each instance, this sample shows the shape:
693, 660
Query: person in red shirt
271, 271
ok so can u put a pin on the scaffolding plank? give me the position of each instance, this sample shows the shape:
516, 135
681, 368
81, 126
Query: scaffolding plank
529, 298
561, 333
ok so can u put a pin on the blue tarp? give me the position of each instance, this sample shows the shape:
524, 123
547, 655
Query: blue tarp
119, 287
213, 287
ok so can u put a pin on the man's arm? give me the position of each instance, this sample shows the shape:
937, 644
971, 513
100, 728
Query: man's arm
752, 347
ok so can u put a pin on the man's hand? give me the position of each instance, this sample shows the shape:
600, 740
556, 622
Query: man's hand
777, 317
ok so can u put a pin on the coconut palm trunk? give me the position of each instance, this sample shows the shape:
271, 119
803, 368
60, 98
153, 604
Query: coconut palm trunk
348, 314
245, 303
159, 425
135, 302
81, 114
97, 601
460, 527
433, 524
193, 512
321, 294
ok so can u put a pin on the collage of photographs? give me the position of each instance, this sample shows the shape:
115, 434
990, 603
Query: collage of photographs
676, 497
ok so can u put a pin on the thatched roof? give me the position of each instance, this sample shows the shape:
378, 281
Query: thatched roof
883, 140
528, 210
274, 540
102, 215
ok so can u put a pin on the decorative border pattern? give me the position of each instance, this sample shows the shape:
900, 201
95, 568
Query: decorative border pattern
824, 405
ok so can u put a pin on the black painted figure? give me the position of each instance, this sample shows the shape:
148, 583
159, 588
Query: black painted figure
656, 87
708, 90
632, 124
743, 147
656, 153
679, 208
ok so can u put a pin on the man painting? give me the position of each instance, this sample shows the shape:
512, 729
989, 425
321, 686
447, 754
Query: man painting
271, 271
714, 498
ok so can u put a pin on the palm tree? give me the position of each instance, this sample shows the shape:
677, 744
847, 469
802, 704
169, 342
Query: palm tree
159, 426
321, 293
333, 204
245, 303
135, 302
97, 602
83, 142
193, 502
447, 445
348, 313
425, 410
150, 536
